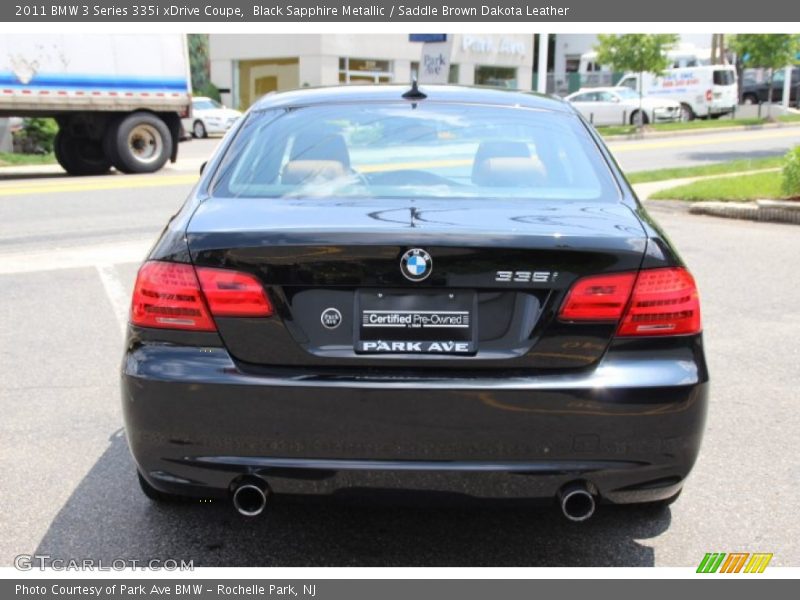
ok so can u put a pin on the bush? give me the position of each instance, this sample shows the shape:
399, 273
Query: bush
36, 136
209, 91
791, 174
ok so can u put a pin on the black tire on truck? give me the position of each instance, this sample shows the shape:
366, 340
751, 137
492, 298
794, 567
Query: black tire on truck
79, 155
138, 143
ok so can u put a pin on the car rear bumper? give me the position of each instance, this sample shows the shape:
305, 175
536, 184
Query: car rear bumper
197, 421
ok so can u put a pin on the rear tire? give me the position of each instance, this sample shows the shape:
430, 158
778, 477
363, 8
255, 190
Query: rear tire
80, 156
199, 130
749, 99
138, 143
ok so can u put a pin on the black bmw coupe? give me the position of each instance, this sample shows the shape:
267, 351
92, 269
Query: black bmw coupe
437, 288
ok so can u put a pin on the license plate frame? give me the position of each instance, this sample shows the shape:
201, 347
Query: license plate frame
425, 322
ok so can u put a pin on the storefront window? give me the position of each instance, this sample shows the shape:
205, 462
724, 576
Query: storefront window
364, 70
504, 77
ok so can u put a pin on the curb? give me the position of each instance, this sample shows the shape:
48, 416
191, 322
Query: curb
682, 132
766, 211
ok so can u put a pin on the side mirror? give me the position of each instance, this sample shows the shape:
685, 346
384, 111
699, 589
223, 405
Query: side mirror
203, 167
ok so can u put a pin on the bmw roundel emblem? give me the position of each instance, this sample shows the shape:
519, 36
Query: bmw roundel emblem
416, 264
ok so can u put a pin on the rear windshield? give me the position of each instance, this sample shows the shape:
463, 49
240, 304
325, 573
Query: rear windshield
421, 150
724, 77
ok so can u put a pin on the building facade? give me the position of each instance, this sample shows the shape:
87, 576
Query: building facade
246, 67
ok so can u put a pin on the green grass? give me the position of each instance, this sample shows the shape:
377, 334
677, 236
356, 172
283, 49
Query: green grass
736, 189
696, 124
733, 166
11, 158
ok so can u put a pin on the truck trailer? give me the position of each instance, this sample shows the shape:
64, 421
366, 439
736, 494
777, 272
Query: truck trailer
118, 99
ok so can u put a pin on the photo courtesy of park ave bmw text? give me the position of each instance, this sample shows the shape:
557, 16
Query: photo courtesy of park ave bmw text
372, 299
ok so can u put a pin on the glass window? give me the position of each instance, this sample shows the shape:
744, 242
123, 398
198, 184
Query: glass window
724, 77
205, 104
504, 77
422, 150
452, 75
365, 70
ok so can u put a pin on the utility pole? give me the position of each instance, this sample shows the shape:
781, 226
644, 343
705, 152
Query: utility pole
541, 76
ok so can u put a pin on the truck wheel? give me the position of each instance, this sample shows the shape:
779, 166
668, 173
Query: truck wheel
138, 143
687, 114
80, 156
749, 99
199, 130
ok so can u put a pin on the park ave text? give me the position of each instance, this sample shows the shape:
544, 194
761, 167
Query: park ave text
168, 589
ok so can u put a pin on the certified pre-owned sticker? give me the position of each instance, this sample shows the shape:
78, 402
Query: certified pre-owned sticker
414, 319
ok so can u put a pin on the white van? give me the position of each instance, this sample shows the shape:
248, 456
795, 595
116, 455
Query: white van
704, 91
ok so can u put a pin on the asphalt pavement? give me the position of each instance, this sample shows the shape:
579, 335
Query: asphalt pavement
69, 250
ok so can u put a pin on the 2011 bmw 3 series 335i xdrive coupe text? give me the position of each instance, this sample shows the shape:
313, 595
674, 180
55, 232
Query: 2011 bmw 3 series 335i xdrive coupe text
438, 288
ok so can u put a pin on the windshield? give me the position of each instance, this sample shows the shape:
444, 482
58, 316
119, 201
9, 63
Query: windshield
205, 104
413, 150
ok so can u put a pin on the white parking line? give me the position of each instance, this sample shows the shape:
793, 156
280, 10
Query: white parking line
116, 293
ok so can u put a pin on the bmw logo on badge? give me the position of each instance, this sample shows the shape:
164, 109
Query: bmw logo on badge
416, 264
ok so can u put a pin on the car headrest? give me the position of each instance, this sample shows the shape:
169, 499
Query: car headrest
297, 172
509, 172
498, 149
315, 146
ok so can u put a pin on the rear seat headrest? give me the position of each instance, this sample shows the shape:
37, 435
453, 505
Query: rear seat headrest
297, 172
325, 147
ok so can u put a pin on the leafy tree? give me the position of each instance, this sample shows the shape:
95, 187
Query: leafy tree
637, 52
198, 61
768, 51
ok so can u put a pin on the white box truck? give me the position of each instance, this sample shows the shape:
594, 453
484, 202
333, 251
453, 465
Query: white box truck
702, 91
118, 99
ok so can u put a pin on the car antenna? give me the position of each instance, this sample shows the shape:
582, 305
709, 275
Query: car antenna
414, 93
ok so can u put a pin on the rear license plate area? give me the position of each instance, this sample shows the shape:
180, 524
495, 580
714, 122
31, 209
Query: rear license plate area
418, 322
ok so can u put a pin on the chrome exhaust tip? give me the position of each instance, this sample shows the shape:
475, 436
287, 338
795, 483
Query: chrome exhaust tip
577, 502
250, 498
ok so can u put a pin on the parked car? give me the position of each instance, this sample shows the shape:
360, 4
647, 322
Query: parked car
758, 92
620, 106
448, 289
209, 117
703, 91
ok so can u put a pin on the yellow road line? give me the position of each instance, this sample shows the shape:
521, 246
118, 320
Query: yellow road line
691, 143
98, 183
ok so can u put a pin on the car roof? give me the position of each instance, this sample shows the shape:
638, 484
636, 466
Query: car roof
387, 93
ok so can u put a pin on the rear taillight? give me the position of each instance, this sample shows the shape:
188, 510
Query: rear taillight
709, 95
664, 302
233, 294
654, 302
174, 296
598, 298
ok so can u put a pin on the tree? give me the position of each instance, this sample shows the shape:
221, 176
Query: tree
637, 52
768, 51
199, 66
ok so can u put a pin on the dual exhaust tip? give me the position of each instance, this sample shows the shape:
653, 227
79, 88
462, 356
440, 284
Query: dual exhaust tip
576, 501
250, 497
